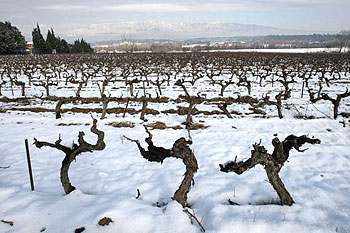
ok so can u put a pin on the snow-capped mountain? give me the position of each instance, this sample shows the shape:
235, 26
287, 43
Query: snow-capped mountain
177, 31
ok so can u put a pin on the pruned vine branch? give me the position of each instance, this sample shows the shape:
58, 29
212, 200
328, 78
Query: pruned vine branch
194, 218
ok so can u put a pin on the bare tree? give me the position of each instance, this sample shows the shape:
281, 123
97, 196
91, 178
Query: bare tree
159, 80
195, 72
108, 73
73, 152
180, 150
343, 40
192, 100
105, 101
129, 43
272, 163
305, 75
266, 101
85, 75
144, 101
21, 84
263, 73
131, 86
335, 101
46, 79
2, 83
286, 77
59, 104
214, 74
243, 81
223, 107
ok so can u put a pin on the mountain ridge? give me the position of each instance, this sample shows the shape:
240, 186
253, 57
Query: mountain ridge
177, 31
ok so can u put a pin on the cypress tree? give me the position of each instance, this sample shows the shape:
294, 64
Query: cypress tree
39, 43
60, 45
51, 41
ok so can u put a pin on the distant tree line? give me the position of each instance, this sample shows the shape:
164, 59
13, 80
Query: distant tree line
312, 37
56, 44
13, 42
343, 40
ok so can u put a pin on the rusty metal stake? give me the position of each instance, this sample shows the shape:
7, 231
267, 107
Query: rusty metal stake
29, 165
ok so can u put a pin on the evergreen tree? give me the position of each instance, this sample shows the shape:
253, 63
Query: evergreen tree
64, 46
76, 48
86, 48
50, 41
56, 43
11, 39
39, 43
81, 46
53, 42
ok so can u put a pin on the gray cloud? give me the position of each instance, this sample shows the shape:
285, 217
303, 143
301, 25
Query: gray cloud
62, 7
66, 16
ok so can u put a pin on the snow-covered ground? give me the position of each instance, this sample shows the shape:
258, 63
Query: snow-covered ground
107, 181
291, 50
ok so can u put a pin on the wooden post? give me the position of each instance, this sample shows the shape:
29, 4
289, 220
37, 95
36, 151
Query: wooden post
302, 89
29, 165
126, 108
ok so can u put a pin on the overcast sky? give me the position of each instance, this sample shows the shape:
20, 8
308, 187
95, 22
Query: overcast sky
65, 16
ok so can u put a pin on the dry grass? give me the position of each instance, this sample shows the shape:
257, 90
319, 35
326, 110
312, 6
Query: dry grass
184, 111
70, 124
162, 125
104, 221
257, 111
207, 113
170, 111
122, 124
5, 99
270, 201
32, 109
197, 126
176, 127
150, 111
156, 125
235, 112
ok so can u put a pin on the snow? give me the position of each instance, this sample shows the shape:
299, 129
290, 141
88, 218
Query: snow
106, 181
291, 50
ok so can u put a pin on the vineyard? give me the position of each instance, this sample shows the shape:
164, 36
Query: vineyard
209, 108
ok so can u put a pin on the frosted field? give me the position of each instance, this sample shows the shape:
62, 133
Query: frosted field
107, 181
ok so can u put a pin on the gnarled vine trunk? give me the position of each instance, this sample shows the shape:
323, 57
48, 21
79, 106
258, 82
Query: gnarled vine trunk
72, 153
180, 150
272, 162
